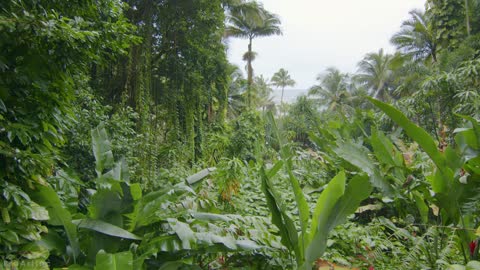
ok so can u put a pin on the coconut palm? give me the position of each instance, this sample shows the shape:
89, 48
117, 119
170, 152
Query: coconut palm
263, 99
417, 37
375, 73
282, 79
332, 90
250, 20
236, 92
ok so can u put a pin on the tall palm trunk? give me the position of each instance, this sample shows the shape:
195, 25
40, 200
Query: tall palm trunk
281, 98
250, 73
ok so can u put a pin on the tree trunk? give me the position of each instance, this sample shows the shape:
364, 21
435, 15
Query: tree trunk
281, 98
250, 73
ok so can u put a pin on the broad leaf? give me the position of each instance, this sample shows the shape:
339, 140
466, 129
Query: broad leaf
320, 219
210, 217
153, 207
59, 215
421, 206
186, 235
102, 149
273, 171
357, 155
415, 132
117, 261
476, 130
302, 205
105, 228
358, 189
118, 172
288, 232
192, 179
164, 243
384, 149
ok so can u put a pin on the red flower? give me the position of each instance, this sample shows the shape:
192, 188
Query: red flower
472, 246
371, 267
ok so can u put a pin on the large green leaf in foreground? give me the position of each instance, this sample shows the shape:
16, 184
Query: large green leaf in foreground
117, 261
334, 205
415, 132
59, 215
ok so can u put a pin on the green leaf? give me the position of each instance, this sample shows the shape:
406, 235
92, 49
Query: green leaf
358, 189
210, 217
136, 191
192, 179
34, 251
38, 264
164, 243
303, 209
476, 130
273, 171
209, 239
11, 236
151, 207
302, 205
383, 149
117, 261
107, 205
473, 265
53, 242
186, 235
59, 215
118, 172
323, 211
415, 132
357, 155
247, 244
38, 212
105, 228
422, 207
102, 149
288, 232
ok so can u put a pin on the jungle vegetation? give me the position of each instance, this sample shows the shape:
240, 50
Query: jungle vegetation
128, 141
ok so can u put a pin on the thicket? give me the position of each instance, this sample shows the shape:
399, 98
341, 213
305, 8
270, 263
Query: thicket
127, 141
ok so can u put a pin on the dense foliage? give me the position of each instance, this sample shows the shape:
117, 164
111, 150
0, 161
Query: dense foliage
127, 141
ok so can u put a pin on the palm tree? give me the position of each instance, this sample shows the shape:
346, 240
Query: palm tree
375, 73
236, 92
332, 90
250, 20
417, 37
263, 99
282, 79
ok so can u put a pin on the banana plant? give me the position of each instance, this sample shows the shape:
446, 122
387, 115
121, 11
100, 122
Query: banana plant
455, 184
104, 225
336, 202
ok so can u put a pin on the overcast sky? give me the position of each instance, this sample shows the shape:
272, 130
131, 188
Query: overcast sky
318, 34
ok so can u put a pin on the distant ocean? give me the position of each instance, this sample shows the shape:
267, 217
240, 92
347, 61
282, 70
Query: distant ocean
289, 95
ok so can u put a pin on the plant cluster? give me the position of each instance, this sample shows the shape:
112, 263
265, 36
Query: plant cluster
127, 141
